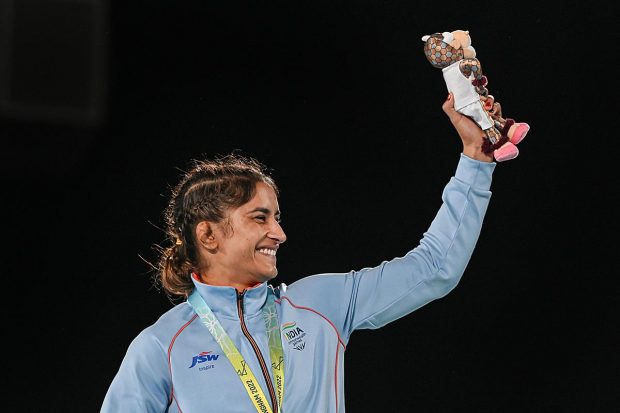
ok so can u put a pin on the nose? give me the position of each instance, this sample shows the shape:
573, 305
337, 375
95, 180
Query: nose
277, 233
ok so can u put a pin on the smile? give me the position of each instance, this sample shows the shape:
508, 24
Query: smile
267, 251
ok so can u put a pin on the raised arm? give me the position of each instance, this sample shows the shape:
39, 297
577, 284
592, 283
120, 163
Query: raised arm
373, 297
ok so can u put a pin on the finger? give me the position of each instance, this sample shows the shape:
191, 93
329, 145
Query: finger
497, 109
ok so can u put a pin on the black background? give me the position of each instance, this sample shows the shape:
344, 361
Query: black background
339, 101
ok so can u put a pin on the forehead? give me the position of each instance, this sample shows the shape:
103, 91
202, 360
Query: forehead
264, 197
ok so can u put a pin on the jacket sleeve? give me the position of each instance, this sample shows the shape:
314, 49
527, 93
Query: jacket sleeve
142, 382
372, 297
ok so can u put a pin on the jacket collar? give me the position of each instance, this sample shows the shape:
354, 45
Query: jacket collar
223, 300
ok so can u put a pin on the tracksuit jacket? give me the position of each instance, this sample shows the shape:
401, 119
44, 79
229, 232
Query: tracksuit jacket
175, 365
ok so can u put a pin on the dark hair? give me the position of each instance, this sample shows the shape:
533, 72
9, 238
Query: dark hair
204, 193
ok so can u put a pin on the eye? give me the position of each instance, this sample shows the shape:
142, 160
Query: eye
261, 218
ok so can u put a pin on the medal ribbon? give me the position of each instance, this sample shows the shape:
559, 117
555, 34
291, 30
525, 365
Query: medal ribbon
246, 376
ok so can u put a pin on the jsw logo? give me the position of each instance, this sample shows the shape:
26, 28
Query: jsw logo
202, 357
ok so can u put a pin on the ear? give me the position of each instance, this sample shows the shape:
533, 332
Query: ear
205, 235
469, 52
447, 37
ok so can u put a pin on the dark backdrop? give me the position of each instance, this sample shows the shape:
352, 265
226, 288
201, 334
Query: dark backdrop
104, 103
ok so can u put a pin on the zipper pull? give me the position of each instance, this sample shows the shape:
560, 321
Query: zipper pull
240, 302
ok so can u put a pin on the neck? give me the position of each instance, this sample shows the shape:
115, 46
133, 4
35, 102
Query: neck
219, 282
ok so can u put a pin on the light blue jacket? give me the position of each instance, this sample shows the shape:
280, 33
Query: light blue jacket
175, 365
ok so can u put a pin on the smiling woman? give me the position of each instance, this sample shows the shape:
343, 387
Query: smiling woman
237, 344
223, 223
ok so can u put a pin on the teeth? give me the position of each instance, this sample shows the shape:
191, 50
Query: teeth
267, 251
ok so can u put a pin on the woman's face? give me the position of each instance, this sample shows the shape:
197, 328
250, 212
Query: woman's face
247, 241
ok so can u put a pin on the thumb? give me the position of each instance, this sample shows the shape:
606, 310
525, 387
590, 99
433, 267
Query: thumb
448, 108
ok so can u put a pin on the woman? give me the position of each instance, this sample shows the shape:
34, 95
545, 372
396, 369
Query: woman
239, 344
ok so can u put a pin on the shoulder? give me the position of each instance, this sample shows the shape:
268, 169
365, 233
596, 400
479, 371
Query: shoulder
315, 287
161, 333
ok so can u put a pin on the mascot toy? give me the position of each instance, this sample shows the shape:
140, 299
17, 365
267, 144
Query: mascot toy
453, 53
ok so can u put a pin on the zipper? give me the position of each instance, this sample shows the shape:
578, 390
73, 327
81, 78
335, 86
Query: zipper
261, 360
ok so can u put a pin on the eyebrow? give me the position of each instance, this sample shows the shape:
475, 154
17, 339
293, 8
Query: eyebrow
264, 211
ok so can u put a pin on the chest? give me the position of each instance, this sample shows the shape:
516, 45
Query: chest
202, 373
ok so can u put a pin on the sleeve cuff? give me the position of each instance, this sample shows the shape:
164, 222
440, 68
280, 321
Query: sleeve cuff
475, 173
